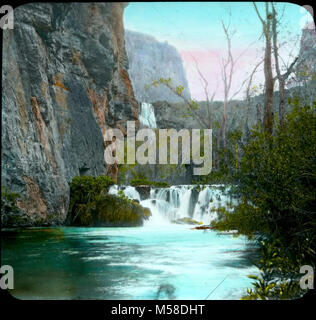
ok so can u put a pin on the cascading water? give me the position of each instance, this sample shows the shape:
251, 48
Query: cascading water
199, 203
147, 116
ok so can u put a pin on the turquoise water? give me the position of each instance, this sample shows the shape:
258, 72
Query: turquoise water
161, 262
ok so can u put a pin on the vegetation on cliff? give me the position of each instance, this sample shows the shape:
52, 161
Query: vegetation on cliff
10, 214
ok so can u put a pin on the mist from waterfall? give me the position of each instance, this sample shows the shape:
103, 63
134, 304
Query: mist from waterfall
199, 203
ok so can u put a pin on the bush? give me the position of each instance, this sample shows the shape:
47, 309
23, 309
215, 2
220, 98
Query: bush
279, 277
244, 219
91, 205
84, 189
277, 178
276, 184
145, 182
8, 201
11, 216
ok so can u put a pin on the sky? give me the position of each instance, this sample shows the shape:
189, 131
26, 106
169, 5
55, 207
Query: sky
195, 29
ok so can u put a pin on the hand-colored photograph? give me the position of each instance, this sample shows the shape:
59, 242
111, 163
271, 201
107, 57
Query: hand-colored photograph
158, 151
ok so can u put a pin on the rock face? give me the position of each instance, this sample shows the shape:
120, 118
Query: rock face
172, 116
65, 82
303, 84
150, 60
308, 48
306, 65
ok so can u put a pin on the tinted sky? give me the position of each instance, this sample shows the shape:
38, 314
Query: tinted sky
195, 29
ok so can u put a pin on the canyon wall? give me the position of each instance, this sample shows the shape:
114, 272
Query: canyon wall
150, 60
65, 82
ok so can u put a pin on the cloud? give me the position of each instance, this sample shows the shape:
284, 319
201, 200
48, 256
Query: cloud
209, 63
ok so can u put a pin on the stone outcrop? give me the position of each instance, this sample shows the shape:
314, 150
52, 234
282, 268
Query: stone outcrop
150, 60
65, 82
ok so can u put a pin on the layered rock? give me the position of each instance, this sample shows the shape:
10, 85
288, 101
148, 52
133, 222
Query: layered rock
150, 60
65, 82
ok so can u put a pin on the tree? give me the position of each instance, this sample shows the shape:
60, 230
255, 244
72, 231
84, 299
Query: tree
276, 188
248, 97
228, 67
269, 80
281, 78
205, 119
209, 101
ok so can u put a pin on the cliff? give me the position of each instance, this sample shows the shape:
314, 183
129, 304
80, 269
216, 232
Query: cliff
303, 83
65, 82
308, 48
150, 60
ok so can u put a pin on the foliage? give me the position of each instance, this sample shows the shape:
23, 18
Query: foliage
278, 177
145, 182
244, 219
279, 277
191, 105
276, 186
279, 290
85, 189
121, 195
215, 176
8, 201
91, 205
11, 215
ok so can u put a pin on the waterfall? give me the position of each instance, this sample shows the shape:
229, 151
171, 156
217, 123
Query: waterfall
193, 201
147, 116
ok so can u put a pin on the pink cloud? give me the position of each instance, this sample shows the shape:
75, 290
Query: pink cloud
209, 63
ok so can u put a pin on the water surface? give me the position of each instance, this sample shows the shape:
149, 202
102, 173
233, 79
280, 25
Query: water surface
151, 262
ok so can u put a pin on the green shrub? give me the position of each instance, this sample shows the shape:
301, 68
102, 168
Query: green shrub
84, 189
161, 184
244, 219
145, 182
91, 205
8, 201
279, 277
276, 184
278, 180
